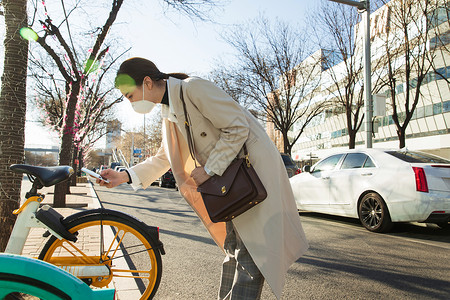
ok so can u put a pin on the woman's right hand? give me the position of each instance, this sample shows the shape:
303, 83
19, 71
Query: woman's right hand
115, 178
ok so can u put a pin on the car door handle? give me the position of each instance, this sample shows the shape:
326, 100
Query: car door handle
326, 177
366, 174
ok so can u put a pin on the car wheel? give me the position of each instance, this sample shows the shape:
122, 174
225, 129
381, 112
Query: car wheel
374, 214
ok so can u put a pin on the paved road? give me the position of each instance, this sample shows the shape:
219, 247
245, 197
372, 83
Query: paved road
345, 261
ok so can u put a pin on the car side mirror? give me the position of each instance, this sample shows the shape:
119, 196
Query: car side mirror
307, 169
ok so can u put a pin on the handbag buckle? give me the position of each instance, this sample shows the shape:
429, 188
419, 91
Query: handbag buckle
247, 161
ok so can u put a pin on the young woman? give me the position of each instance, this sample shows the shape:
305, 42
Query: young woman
262, 242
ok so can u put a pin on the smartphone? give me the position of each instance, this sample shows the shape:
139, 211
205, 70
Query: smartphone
93, 174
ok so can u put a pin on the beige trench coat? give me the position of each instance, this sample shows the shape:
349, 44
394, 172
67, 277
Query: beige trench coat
271, 231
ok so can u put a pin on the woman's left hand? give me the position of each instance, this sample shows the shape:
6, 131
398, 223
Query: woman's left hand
199, 175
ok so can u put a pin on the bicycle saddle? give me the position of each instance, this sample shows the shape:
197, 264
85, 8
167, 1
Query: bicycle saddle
47, 176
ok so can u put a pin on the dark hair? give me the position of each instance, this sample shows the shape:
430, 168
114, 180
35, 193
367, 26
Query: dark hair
138, 68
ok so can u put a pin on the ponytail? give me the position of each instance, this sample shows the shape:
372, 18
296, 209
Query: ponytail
138, 68
178, 75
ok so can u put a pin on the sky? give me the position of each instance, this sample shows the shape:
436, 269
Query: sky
175, 43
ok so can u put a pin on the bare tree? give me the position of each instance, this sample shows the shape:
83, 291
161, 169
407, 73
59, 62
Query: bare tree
337, 31
59, 46
153, 136
74, 66
93, 109
12, 113
415, 43
271, 76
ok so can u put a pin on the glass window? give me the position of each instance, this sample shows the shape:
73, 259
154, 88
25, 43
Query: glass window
391, 121
354, 161
437, 108
431, 76
418, 157
428, 110
441, 73
437, 17
440, 40
369, 163
413, 83
328, 163
446, 106
414, 115
420, 112
399, 88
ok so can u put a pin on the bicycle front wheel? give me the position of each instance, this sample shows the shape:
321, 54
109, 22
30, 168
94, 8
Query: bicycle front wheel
114, 239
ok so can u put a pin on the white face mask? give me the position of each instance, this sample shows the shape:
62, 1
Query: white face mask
143, 106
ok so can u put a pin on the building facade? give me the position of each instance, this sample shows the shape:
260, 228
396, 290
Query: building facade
429, 127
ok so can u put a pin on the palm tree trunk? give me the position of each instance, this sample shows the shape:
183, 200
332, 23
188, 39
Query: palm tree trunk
12, 113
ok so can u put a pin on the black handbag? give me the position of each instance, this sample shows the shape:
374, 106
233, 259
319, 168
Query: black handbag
236, 191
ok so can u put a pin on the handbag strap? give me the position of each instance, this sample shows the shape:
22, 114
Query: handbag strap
189, 136
190, 140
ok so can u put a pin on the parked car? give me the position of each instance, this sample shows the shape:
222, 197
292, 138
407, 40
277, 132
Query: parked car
102, 167
291, 167
119, 168
167, 180
377, 186
114, 165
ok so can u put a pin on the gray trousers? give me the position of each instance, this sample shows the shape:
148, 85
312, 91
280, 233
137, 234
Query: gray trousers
241, 278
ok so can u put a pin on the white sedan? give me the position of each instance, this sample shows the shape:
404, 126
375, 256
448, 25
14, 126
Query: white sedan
377, 186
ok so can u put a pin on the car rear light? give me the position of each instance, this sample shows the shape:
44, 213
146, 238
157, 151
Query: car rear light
421, 180
298, 171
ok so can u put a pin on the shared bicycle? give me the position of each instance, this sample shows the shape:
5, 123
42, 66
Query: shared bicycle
100, 248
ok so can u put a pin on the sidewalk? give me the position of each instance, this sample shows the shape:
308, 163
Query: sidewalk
82, 197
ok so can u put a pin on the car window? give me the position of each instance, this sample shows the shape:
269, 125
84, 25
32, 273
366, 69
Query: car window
369, 163
328, 163
418, 157
354, 161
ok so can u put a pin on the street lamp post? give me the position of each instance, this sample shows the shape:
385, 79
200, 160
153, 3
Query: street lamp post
364, 7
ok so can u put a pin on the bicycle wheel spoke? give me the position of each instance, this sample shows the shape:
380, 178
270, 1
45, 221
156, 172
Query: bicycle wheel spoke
118, 245
126, 248
112, 244
117, 271
129, 254
83, 255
